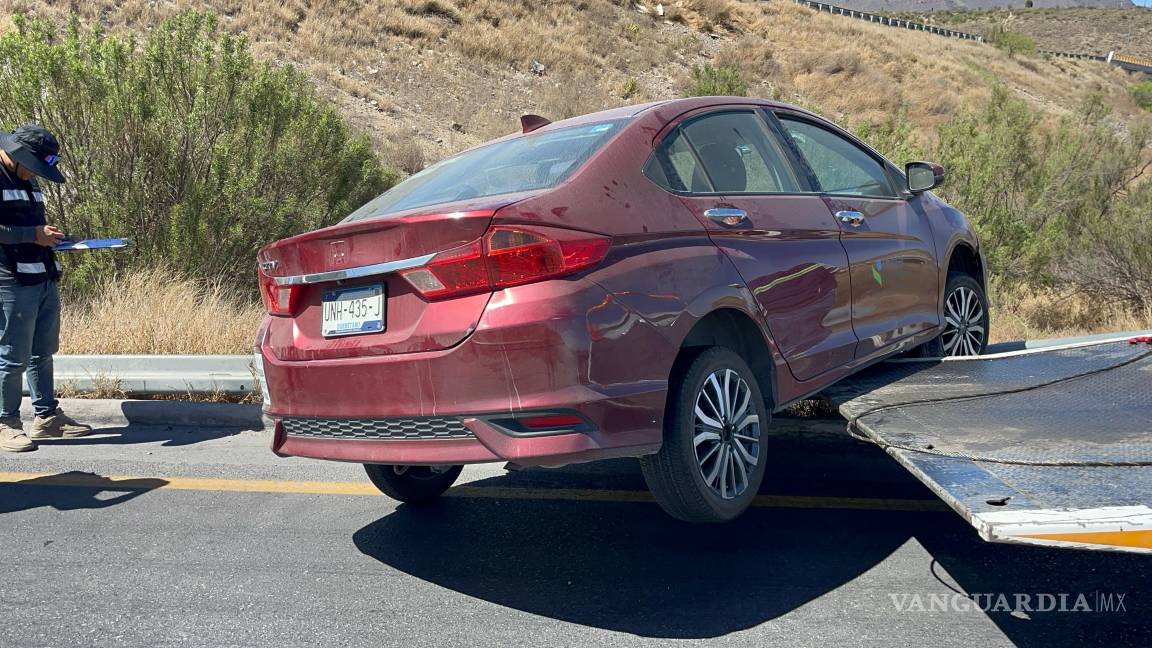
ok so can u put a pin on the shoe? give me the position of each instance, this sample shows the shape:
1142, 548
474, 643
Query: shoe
58, 425
13, 439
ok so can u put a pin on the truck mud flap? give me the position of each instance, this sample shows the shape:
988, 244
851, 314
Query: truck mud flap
1047, 446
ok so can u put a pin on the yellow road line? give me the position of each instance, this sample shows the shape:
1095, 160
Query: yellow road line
113, 482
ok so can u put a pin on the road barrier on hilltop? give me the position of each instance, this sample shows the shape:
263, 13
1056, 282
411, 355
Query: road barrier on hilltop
889, 21
1072, 55
1130, 63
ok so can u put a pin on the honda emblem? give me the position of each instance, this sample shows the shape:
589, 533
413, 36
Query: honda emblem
339, 252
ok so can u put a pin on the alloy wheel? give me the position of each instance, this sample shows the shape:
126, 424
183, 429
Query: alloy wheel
964, 331
726, 433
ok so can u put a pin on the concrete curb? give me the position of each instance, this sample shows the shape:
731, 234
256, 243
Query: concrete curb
122, 413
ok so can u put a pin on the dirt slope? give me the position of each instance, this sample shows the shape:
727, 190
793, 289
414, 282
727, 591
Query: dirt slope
429, 77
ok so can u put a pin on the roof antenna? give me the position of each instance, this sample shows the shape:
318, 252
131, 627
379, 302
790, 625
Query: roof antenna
529, 123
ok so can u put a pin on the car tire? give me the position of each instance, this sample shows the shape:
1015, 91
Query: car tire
966, 329
690, 475
413, 484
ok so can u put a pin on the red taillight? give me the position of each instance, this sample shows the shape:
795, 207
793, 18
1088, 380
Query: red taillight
552, 421
278, 300
508, 256
455, 272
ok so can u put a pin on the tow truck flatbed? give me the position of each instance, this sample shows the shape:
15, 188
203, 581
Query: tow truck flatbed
1050, 444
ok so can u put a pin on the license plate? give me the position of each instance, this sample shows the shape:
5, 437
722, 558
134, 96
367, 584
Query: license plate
352, 311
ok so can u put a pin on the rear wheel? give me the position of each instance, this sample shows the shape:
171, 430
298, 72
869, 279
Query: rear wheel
965, 320
711, 463
412, 484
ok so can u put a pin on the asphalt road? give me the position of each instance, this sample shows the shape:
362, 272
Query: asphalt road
216, 542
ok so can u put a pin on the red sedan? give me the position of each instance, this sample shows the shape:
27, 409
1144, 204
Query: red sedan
651, 281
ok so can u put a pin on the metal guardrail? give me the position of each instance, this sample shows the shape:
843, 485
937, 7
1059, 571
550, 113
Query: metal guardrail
1073, 55
157, 374
890, 21
1130, 63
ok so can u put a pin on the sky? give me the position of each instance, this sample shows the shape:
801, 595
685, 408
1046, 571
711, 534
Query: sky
1143, 3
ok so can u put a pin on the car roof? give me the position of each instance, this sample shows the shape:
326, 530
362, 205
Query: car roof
668, 108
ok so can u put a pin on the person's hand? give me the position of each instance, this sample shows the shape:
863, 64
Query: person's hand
48, 236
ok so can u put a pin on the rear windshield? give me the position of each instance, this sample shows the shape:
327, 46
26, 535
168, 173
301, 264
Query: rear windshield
534, 161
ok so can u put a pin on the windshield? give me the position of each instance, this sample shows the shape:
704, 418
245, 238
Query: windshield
534, 161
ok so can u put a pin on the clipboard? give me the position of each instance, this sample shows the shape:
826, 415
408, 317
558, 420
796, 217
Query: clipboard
92, 244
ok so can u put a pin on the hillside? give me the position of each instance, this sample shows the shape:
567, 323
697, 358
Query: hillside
1089, 30
429, 77
972, 5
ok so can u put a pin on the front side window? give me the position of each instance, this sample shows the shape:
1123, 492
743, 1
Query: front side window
533, 161
726, 153
840, 166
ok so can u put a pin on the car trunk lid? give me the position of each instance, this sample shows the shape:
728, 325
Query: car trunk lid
366, 254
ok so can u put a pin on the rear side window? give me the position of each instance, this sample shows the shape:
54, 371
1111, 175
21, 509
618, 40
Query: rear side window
534, 161
674, 166
840, 166
739, 155
728, 153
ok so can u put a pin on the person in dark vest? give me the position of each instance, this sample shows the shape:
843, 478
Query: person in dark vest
29, 301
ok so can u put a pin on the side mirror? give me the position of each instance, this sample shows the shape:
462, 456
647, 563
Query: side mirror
923, 176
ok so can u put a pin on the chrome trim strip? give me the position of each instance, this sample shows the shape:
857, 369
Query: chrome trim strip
355, 273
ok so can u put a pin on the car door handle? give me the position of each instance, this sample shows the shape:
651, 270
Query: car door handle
727, 215
853, 218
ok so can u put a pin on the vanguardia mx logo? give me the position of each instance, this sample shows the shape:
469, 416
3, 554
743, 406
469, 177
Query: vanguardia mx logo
1015, 603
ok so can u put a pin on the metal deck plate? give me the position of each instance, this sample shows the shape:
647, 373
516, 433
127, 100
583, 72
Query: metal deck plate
1063, 464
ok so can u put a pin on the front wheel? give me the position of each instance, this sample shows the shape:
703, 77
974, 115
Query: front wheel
711, 463
965, 320
413, 484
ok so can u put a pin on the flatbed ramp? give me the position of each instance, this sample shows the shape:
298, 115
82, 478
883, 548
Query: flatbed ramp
1048, 446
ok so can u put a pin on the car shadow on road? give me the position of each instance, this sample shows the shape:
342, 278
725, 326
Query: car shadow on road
72, 490
628, 567
165, 435
625, 567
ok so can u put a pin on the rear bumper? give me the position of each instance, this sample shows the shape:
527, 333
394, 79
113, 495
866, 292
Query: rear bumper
533, 351
488, 444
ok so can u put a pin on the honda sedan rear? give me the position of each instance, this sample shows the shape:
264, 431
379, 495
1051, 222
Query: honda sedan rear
651, 281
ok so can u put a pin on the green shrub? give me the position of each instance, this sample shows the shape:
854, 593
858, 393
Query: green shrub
182, 142
1055, 205
722, 80
1011, 41
1142, 94
1059, 205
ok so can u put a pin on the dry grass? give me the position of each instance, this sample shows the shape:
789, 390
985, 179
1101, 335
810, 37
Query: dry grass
156, 312
420, 66
1021, 314
102, 387
404, 152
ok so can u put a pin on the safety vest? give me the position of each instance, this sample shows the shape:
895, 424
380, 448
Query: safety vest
22, 205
